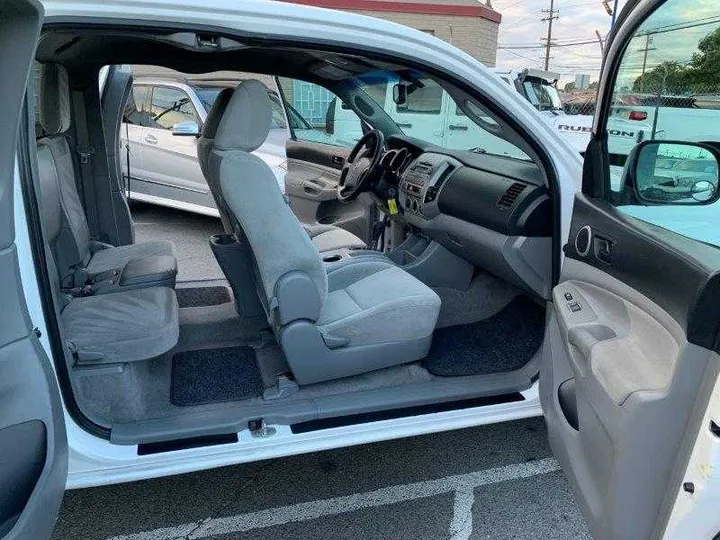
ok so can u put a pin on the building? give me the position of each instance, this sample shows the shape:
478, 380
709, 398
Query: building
582, 81
467, 24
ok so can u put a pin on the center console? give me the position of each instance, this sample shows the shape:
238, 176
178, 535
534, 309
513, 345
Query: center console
421, 183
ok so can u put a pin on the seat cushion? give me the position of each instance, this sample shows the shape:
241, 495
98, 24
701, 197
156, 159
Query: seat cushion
330, 238
117, 257
373, 302
125, 326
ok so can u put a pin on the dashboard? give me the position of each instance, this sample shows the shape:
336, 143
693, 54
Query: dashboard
492, 211
504, 195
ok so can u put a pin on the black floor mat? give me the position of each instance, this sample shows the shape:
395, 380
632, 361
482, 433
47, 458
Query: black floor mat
202, 296
504, 342
214, 375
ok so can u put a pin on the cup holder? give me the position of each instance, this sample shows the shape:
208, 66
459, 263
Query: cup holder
222, 239
328, 220
332, 258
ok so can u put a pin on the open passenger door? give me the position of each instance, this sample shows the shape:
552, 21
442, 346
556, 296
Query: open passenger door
631, 348
33, 444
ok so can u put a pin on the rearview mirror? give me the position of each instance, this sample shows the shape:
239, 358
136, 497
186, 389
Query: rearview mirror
673, 173
187, 128
400, 94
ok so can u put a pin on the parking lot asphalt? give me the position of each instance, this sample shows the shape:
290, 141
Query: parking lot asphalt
188, 232
496, 482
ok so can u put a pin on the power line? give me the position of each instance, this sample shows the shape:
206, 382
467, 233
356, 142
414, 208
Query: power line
514, 47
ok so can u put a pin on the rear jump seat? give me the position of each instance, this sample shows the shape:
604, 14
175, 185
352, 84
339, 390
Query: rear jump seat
131, 325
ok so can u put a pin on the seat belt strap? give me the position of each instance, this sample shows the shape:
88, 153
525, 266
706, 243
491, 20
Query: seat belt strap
85, 158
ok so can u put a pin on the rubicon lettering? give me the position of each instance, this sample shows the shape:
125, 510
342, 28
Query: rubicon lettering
588, 129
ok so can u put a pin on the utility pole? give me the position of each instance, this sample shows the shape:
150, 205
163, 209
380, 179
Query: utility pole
552, 15
645, 51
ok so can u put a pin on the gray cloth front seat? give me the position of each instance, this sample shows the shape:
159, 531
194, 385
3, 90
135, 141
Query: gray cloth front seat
332, 321
325, 237
75, 253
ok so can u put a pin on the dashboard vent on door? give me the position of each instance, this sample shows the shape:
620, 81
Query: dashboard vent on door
510, 196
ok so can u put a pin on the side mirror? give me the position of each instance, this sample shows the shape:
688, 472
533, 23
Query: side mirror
186, 129
673, 173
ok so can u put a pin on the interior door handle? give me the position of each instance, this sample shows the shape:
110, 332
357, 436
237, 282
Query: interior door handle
603, 249
457, 127
337, 160
404, 125
151, 139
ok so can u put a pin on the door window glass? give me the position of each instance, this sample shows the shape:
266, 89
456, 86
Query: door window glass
317, 115
668, 89
170, 106
134, 112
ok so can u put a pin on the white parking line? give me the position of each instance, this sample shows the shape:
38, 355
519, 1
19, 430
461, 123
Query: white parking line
460, 528
461, 525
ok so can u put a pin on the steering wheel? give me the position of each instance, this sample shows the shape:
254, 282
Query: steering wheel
362, 166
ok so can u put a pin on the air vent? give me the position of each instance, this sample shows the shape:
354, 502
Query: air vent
510, 196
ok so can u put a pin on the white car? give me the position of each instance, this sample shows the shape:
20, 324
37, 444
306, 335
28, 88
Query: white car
163, 166
504, 284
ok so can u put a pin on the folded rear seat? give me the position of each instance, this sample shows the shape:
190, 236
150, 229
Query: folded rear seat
115, 328
81, 260
121, 327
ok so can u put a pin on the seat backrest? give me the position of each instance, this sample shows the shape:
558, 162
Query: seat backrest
204, 147
256, 205
70, 241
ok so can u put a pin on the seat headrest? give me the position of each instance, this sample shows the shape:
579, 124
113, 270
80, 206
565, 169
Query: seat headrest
246, 122
216, 113
54, 99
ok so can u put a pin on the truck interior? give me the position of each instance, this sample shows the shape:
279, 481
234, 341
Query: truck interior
315, 324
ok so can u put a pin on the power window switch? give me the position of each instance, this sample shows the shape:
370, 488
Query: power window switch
575, 307
568, 297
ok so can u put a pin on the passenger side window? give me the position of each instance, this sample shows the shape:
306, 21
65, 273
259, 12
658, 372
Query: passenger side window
170, 106
665, 121
317, 115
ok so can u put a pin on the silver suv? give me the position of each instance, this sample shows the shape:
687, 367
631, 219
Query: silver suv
162, 121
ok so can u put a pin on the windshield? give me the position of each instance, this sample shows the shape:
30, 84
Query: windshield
421, 108
542, 95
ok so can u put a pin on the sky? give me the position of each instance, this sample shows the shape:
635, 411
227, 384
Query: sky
578, 21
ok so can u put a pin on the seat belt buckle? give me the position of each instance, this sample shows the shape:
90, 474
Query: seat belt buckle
85, 154
80, 277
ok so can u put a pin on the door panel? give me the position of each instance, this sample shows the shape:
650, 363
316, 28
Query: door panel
169, 160
313, 172
627, 349
33, 444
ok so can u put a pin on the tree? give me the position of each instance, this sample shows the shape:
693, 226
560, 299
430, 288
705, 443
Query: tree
705, 65
670, 77
569, 87
594, 85
700, 75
